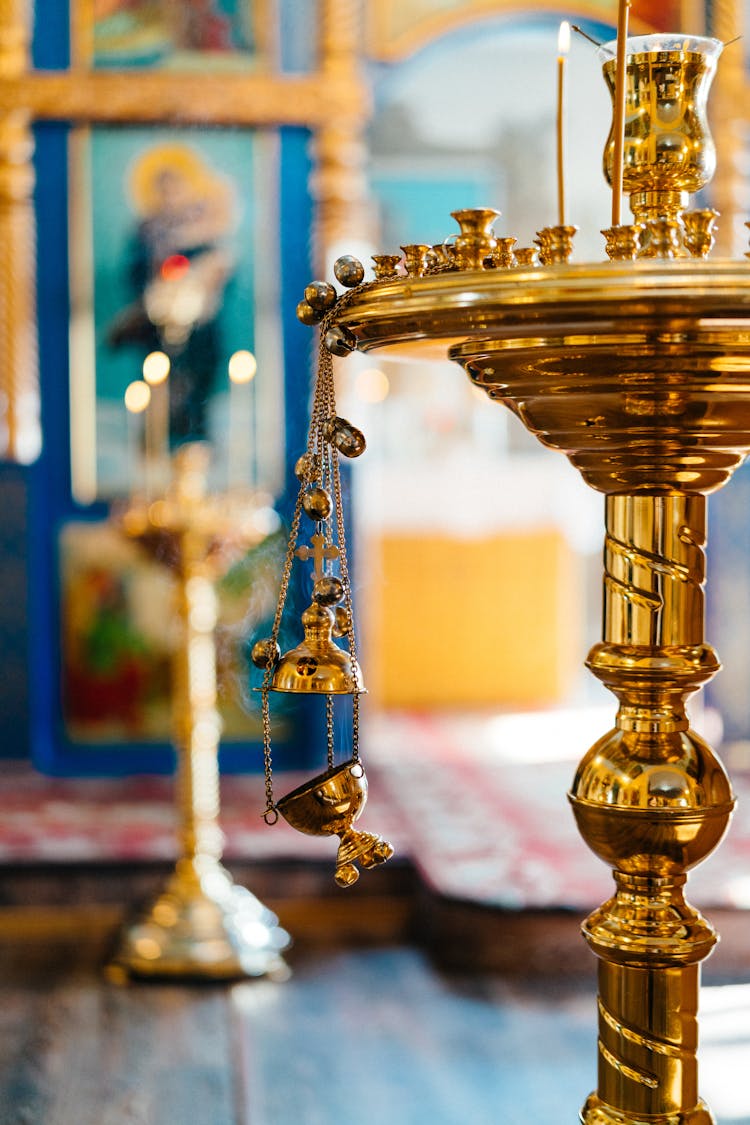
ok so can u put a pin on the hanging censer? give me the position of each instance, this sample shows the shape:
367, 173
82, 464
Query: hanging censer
329, 804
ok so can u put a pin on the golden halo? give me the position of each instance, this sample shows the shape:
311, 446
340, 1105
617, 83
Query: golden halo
179, 159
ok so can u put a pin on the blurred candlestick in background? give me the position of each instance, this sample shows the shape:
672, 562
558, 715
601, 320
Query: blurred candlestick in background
563, 46
242, 443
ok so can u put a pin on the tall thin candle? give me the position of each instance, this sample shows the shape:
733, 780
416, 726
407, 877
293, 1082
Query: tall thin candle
137, 399
618, 163
563, 46
242, 369
156, 367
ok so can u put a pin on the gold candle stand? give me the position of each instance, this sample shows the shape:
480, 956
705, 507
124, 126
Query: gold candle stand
201, 926
638, 372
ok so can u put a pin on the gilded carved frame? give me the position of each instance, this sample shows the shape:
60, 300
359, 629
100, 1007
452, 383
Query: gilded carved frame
332, 101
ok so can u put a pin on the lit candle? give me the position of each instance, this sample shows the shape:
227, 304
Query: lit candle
137, 398
242, 368
563, 46
156, 367
618, 162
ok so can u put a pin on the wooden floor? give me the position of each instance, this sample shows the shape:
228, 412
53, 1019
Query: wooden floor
367, 1036
376, 1026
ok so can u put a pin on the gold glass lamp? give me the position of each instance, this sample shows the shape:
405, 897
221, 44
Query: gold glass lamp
635, 368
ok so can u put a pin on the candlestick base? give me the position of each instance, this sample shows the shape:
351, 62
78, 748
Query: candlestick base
202, 926
597, 1112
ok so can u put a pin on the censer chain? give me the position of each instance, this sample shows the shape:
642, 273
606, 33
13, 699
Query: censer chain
324, 407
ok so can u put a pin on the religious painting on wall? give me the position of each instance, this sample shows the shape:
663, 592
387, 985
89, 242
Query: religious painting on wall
170, 232
222, 34
119, 633
162, 236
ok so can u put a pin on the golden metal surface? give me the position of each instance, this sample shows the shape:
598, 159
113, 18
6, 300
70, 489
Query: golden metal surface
700, 228
338, 182
638, 371
417, 259
201, 926
556, 244
527, 256
386, 266
729, 101
504, 258
661, 238
328, 805
623, 241
317, 665
476, 242
188, 98
20, 427
668, 151
651, 799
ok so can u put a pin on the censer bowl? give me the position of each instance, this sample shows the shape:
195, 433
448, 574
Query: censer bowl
329, 803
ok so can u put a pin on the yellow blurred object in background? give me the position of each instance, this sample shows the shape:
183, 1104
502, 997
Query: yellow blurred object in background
454, 622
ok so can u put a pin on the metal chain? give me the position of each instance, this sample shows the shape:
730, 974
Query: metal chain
326, 375
270, 810
329, 731
350, 634
270, 815
323, 407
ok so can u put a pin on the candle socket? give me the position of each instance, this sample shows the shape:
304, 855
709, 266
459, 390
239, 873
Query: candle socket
476, 241
556, 244
699, 229
418, 259
623, 242
443, 257
386, 266
663, 239
526, 256
503, 257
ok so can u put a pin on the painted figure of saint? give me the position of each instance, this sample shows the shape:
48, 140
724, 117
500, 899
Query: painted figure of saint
179, 266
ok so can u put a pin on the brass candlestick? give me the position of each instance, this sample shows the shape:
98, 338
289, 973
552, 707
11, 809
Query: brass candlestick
654, 410
636, 370
201, 925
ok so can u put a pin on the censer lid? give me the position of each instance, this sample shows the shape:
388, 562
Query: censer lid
317, 665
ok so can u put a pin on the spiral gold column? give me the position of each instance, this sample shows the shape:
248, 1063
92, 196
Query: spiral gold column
651, 799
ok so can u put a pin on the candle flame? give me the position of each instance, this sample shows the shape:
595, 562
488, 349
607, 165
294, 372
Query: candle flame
137, 396
242, 366
563, 39
156, 367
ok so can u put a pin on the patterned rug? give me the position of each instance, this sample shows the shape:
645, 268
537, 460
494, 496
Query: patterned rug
478, 803
488, 816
